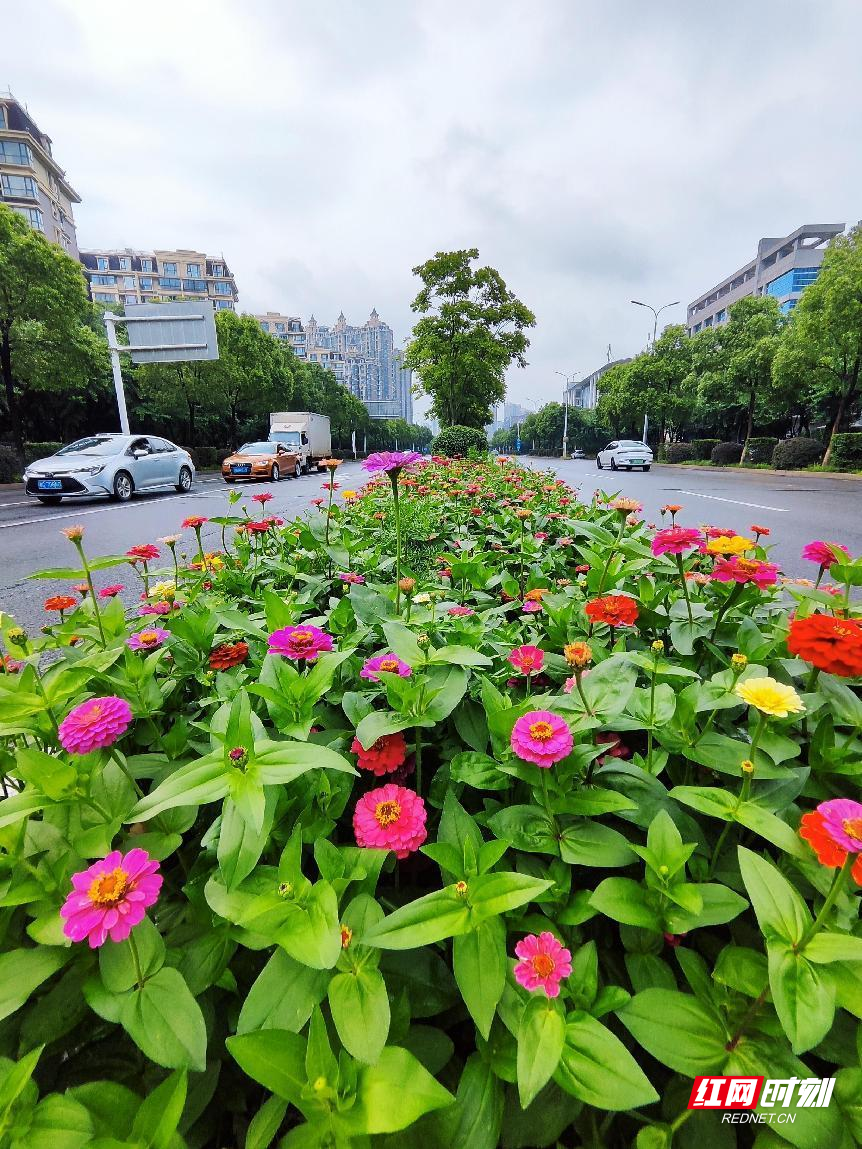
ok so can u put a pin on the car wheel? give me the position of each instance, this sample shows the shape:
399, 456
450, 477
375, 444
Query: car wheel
227, 480
599, 463
185, 479
297, 470
613, 463
275, 473
123, 486
49, 500
628, 468
646, 468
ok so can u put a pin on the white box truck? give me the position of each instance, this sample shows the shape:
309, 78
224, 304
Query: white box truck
304, 433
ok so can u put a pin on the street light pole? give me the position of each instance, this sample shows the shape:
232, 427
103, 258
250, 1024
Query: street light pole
568, 379
656, 314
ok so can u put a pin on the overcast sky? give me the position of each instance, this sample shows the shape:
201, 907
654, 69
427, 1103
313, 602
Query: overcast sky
594, 151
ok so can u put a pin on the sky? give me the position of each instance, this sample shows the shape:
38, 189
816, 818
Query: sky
594, 152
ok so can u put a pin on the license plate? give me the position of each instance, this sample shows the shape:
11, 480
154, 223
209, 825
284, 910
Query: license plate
49, 485
637, 462
241, 468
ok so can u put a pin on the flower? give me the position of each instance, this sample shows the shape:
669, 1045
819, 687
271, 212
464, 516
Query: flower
196, 521
95, 724
299, 642
612, 609
147, 639
110, 897
536, 594
676, 540
330, 464
531, 607
346, 935
738, 662
60, 602
9, 665
833, 831
742, 570
822, 553
384, 756
144, 551
170, 540
729, 545
406, 584
671, 508
111, 591
353, 579
455, 611
390, 818
769, 697
262, 498
541, 737
625, 506
159, 608
616, 747
348, 496
227, 655
81, 588
384, 663
527, 659
74, 533
831, 644
756, 530
544, 963
390, 461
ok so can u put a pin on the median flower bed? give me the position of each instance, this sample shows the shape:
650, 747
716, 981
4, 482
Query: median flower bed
468, 810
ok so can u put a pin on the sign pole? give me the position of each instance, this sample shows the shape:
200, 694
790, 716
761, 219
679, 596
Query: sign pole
114, 348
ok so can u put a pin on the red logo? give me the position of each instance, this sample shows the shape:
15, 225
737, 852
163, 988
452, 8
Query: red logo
725, 1092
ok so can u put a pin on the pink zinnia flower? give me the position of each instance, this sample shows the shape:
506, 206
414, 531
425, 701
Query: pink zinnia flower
111, 897
353, 579
531, 607
528, 659
842, 821
544, 963
387, 664
95, 724
300, 642
390, 461
158, 608
822, 553
390, 818
460, 611
111, 591
144, 551
570, 684
150, 639
263, 497
541, 737
742, 570
676, 540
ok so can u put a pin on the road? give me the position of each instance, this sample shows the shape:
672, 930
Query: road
30, 537
796, 508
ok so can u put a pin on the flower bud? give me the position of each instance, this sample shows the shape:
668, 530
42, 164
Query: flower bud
423, 640
747, 766
17, 636
406, 584
738, 663
657, 647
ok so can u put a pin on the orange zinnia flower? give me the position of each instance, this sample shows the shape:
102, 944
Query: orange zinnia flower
613, 610
228, 654
831, 644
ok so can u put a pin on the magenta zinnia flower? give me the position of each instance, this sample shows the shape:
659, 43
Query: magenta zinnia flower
388, 664
352, 578
95, 724
822, 553
544, 963
676, 540
541, 737
528, 659
390, 461
742, 570
299, 642
111, 591
110, 897
460, 611
150, 639
390, 818
842, 821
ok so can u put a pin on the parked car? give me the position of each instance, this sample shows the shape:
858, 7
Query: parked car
576, 453
264, 460
112, 465
625, 453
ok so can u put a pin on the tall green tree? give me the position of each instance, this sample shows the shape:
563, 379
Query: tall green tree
250, 375
472, 329
821, 354
178, 389
622, 400
43, 305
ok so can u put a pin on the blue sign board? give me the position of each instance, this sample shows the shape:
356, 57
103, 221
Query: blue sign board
517, 444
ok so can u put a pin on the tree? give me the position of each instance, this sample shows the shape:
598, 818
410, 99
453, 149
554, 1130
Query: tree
663, 379
622, 402
250, 374
43, 302
471, 331
822, 351
178, 387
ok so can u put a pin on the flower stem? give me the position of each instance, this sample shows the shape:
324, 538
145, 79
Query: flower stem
725, 607
97, 613
116, 758
393, 478
838, 884
684, 586
611, 552
546, 801
418, 759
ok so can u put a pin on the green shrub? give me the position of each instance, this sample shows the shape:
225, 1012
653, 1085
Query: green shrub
703, 448
10, 468
34, 451
678, 453
847, 451
723, 454
460, 441
760, 450
793, 454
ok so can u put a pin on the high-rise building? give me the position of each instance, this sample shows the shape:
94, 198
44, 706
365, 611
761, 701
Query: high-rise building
32, 183
584, 392
782, 268
365, 361
130, 276
287, 328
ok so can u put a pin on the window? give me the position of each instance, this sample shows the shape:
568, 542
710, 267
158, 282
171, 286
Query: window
194, 285
104, 297
130, 299
223, 305
169, 268
222, 288
15, 152
19, 187
218, 270
32, 215
264, 326
101, 263
129, 282
169, 283
160, 446
146, 265
2, 115
125, 263
795, 280
193, 270
146, 283
279, 327
104, 280
720, 316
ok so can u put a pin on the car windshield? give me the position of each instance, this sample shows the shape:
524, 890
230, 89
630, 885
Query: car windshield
257, 449
94, 445
290, 437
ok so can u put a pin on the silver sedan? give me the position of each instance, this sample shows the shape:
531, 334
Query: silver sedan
113, 465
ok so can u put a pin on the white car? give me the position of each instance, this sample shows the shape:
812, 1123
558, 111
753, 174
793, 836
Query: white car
624, 453
113, 465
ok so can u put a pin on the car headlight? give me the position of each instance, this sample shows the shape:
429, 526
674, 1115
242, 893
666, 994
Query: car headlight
94, 470
28, 474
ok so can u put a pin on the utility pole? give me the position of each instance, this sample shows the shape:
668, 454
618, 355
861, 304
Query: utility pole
569, 380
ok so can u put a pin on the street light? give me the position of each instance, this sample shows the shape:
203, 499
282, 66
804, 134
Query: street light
656, 314
569, 379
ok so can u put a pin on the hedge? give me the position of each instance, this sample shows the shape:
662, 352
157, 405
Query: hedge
10, 468
847, 451
703, 448
678, 453
34, 451
793, 454
760, 450
723, 454
460, 441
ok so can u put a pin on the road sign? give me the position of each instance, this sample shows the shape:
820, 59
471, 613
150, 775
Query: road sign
172, 332
517, 444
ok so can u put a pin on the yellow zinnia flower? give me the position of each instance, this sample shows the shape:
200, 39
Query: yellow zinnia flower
348, 495
735, 545
769, 697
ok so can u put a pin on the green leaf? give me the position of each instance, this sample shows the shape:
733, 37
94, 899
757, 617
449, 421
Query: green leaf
265, 1124
275, 1059
828, 947
359, 1005
500, 892
625, 900
432, 918
16, 1078
206, 780
394, 1093
165, 1022
480, 964
781, 912
117, 963
609, 686
283, 996
677, 1030
46, 772
59, 1122
597, 1068
803, 995
460, 656
380, 722
593, 844
477, 770
20, 806
541, 1037
160, 1113
590, 801
23, 970
281, 762
474, 1121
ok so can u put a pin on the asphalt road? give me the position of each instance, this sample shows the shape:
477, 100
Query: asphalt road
796, 508
30, 537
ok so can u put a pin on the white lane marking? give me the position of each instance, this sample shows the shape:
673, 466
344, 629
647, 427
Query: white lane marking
736, 502
102, 509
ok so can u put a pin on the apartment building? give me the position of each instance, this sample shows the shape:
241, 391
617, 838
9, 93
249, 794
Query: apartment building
584, 393
287, 328
127, 276
782, 268
32, 183
364, 360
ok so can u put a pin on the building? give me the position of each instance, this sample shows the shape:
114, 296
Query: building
287, 328
130, 276
32, 183
585, 392
365, 361
782, 268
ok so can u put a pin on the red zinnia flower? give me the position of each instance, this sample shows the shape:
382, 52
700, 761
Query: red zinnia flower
831, 644
60, 602
613, 610
194, 521
382, 757
227, 655
145, 551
